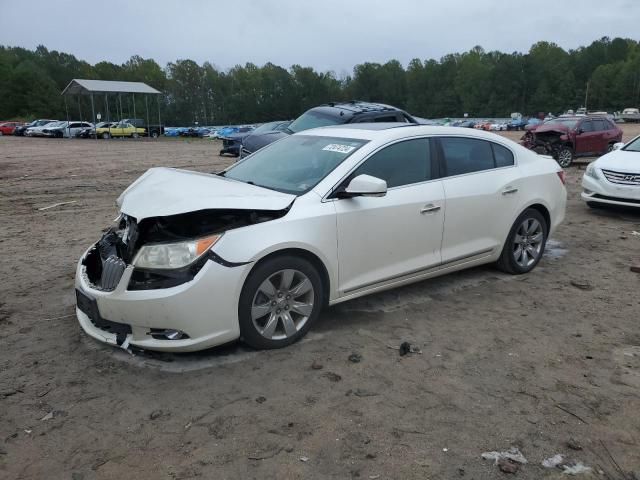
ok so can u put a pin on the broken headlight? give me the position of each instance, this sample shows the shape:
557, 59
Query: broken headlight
173, 255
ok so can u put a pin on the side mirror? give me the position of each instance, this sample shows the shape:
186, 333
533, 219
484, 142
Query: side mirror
364, 186
618, 146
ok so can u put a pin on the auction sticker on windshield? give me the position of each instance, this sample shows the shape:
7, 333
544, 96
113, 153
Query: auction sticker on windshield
336, 147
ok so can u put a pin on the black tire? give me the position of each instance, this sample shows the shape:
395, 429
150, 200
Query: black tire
507, 261
249, 332
106, 136
564, 156
135, 135
610, 147
154, 134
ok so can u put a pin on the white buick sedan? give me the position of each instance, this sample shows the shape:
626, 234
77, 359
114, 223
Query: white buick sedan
196, 260
614, 178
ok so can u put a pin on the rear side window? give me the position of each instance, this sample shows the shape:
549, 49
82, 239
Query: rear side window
587, 126
466, 155
599, 125
503, 156
402, 163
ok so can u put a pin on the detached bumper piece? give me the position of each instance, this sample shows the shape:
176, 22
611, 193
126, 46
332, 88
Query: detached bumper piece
89, 307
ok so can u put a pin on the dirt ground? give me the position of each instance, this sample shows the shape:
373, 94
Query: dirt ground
548, 362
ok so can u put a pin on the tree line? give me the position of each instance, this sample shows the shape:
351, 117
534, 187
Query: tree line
547, 78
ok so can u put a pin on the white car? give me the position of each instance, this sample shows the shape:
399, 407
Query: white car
321, 217
37, 131
614, 178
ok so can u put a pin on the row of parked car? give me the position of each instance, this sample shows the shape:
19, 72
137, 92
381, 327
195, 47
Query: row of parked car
129, 127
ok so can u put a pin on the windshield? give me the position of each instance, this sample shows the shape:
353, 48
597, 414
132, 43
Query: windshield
267, 127
569, 123
294, 164
314, 119
633, 146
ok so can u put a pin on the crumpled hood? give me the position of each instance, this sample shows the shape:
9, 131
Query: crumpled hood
620, 161
552, 127
161, 192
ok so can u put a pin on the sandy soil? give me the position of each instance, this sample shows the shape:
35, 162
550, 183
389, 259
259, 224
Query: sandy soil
548, 362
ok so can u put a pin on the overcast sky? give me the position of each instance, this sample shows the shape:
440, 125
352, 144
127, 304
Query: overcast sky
326, 34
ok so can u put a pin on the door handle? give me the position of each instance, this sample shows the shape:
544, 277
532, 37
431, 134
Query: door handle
430, 208
509, 190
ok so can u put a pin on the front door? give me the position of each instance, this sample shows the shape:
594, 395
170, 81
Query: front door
385, 238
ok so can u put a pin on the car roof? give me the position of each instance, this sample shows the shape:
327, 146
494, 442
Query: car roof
395, 131
358, 106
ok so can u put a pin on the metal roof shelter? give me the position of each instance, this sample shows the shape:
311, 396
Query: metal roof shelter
85, 87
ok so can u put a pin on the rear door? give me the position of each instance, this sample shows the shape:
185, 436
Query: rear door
381, 239
481, 185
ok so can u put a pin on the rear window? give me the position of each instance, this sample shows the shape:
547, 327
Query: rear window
315, 119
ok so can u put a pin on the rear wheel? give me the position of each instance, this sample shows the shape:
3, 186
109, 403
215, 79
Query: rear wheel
106, 135
154, 134
279, 302
610, 147
135, 135
565, 156
525, 244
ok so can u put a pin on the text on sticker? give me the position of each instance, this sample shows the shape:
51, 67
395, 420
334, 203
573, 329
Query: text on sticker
336, 147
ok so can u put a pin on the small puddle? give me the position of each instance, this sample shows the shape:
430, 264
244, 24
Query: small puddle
555, 249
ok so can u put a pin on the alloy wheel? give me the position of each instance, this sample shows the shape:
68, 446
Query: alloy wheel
565, 157
527, 242
282, 304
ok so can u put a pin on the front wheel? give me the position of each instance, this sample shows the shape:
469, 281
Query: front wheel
525, 244
135, 135
106, 136
154, 134
565, 156
279, 302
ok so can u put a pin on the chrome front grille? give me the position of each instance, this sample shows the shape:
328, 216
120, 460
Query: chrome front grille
622, 178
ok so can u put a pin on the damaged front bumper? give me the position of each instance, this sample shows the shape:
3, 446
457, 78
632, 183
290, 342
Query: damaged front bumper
204, 310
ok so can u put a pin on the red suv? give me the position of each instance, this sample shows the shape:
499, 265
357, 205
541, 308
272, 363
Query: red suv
565, 138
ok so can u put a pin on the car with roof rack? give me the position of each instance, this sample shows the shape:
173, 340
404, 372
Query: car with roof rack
333, 113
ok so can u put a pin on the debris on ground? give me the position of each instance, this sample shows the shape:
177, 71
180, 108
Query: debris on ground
405, 348
316, 365
355, 358
360, 392
59, 204
304, 459
634, 233
635, 268
582, 284
553, 462
508, 466
573, 444
333, 377
155, 414
261, 399
512, 454
575, 469
265, 455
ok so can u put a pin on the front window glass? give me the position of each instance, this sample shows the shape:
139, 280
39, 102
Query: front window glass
314, 119
294, 164
400, 164
633, 146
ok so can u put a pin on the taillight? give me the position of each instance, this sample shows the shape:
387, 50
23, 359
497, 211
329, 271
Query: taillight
562, 176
